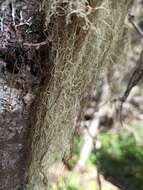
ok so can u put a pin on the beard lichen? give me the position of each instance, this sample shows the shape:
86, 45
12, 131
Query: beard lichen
86, 36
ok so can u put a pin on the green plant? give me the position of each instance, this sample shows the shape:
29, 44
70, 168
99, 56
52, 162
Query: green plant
120, 159
67, 183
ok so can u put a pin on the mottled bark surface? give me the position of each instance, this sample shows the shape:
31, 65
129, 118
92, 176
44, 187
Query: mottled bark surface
20, 75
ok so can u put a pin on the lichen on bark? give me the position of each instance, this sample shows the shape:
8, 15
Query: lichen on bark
86, 37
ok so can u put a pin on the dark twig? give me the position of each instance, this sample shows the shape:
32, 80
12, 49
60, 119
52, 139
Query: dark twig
136, 27
36, 45
137, 74
99, 180
134, 80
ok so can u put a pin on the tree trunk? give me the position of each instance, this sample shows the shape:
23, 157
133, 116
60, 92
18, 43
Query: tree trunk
21, 72
51, 54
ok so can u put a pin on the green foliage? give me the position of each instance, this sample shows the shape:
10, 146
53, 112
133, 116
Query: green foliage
92, 160
75, 181
120, 159
75, 150
67, 183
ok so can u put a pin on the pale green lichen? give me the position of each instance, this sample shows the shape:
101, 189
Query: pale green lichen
87, 45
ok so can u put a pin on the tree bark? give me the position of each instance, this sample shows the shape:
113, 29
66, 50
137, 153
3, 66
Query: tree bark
20, 75
51, 54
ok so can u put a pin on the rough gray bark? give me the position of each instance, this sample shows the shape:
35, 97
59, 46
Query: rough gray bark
40, 92
20, 75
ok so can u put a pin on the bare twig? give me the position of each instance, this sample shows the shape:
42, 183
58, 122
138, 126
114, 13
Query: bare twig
99, 180
36, 45
134, 80
136, 27
137, 74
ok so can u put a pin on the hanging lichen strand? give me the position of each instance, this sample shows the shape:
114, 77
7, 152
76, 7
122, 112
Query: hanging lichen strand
86, 36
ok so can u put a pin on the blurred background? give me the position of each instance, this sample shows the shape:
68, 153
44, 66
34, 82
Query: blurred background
107, 147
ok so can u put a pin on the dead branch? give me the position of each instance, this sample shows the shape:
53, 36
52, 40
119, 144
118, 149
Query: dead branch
136, 27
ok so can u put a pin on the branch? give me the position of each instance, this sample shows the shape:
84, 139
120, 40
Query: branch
36, 45
136, 27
